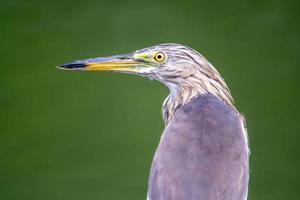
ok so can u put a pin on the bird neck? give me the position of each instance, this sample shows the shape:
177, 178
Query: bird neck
191, 87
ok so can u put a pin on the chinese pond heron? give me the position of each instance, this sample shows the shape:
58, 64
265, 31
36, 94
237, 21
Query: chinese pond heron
203, 151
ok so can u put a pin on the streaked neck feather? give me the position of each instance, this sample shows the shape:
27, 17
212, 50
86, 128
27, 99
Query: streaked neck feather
191, 87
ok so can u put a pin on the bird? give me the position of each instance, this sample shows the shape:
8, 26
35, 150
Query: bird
203, 152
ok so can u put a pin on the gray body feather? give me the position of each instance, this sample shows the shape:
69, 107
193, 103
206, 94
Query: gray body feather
202, 154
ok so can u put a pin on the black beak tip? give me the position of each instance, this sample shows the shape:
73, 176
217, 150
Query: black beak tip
71, 66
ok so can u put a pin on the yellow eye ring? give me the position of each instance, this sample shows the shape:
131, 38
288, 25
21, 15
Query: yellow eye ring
160, 56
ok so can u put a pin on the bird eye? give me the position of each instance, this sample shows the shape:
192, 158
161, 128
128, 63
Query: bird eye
160, 56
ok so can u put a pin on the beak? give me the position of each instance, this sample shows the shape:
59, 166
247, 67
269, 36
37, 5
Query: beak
120, 63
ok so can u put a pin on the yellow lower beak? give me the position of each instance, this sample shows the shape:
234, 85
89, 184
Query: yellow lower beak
113, 66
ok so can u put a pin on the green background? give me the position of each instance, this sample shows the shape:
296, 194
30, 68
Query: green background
91, 135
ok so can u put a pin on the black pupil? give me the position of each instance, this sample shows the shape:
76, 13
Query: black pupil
159, 56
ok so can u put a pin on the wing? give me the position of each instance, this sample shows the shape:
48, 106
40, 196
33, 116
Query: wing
202, 154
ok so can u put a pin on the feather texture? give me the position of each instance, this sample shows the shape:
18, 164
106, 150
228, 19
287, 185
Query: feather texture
202, 154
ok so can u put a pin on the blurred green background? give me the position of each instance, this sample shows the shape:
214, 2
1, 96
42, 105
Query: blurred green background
82, 135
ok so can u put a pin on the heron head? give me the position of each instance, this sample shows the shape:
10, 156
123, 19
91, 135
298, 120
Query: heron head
168, 63
175, 65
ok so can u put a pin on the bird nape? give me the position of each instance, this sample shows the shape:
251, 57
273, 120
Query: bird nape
203, 152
